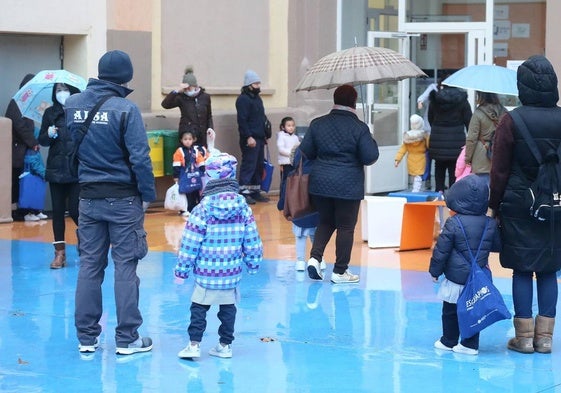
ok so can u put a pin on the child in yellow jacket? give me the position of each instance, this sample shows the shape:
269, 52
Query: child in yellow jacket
415, 143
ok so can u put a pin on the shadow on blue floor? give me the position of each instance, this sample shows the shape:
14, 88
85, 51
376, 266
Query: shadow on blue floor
375, 336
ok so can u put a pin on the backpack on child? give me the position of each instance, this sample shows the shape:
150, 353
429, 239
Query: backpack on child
543, 195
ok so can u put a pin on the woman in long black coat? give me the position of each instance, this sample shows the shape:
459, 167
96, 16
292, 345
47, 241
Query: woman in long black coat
63, 184
529, 246
449, 116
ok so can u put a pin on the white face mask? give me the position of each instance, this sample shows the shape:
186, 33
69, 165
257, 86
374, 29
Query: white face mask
61, 96
192, 93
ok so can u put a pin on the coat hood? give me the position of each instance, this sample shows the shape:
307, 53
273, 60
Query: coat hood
26, 79
224, 205
492, 111
222, 200
413, 136
469, 196
537, 83
448, 98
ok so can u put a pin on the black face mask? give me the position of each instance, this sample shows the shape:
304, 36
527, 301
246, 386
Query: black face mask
256, 90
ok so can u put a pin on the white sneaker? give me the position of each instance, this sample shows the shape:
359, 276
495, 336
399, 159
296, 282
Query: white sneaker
142, 344
314, 271
190, 351
322, 265
31, 217
42, 216
222, 351
465, 350
345, 277
89, 348
300, 266
438, 345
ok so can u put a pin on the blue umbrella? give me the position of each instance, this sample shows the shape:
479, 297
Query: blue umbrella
486, 78
36, 95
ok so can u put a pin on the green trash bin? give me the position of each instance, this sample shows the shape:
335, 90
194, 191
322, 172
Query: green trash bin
171, 143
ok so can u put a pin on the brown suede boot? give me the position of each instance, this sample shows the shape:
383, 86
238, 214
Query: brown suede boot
544, 334
60, 256
524, 331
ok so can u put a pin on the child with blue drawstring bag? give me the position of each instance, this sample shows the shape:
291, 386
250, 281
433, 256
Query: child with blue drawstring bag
468, 236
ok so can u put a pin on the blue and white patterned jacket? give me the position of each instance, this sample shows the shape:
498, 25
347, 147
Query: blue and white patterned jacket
219, 237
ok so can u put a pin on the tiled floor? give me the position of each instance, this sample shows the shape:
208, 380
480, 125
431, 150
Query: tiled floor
292, 334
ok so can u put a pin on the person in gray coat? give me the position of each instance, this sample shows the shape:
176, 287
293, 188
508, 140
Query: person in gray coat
529, 246
341, 146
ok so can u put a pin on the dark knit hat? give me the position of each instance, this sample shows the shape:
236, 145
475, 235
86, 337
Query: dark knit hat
189, 77
115, 66
345, 95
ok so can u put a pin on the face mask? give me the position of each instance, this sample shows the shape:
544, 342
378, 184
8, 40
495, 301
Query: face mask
192, 93
256, 90
61, 96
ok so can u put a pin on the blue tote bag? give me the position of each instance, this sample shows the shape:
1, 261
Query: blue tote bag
190, 179
32, 190
480, 303
268, 169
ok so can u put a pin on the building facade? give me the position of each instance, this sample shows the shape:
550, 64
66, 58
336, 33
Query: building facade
279, 39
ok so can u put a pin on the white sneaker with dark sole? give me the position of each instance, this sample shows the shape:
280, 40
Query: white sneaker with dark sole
88, 348
143, 344
314, 271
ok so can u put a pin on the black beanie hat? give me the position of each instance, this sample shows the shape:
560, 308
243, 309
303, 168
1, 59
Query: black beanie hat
115, 66
345, 95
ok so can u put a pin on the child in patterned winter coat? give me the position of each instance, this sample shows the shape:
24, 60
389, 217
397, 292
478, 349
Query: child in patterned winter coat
415, 142
219, 238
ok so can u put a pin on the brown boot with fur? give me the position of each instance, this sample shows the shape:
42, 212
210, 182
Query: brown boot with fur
543, 334
524, 331
60, 256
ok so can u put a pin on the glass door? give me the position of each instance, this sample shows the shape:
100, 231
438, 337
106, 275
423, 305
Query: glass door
389, 105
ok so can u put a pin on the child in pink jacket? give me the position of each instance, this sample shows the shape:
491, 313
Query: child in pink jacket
462, 169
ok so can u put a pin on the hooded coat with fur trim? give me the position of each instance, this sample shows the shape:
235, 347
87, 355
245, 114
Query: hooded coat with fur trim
451, 257
528, 245
414, 144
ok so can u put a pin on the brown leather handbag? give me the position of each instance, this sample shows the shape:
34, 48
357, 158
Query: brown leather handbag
297, 202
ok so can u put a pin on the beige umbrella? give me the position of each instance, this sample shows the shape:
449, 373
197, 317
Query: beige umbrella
357, 66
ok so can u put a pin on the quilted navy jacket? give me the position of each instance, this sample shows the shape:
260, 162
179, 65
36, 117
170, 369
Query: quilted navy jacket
468, 198
340, 145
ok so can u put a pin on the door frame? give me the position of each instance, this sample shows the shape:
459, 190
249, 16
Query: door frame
383, 177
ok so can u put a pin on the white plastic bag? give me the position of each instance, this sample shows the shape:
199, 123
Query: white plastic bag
174, 200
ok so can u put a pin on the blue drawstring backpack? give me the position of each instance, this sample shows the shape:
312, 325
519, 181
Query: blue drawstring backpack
480, 304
